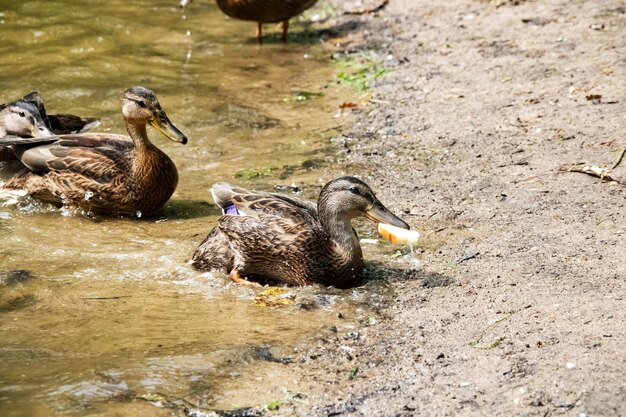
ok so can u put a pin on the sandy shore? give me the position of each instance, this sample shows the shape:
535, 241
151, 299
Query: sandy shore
519, 307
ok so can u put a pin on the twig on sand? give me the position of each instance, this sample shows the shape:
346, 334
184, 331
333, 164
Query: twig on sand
619, 160
370, 9
116, 297
499, 340
475, 343
594, 171
472, 255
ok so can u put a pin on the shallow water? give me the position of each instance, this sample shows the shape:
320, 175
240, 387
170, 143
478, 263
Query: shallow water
96, 313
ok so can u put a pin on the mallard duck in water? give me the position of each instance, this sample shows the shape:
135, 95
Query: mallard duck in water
266, 236
22, 118
262, 11
27, 118
101, 172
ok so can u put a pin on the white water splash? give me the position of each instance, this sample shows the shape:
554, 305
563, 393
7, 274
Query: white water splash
413, 259
11, 197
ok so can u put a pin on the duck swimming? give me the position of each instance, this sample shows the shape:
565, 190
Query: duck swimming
262, 11
267, 236
101, 172
27, 118
22, 118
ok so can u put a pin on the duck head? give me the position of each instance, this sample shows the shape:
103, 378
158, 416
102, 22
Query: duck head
140, 106
349, 197
21, 118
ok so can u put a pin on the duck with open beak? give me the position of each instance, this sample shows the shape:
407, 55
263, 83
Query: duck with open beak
276, 237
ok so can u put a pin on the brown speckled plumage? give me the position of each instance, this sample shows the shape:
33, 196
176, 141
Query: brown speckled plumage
276, 237
103, 173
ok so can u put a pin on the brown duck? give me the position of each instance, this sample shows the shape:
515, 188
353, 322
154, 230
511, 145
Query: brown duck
266, 236
263, 11
102, 173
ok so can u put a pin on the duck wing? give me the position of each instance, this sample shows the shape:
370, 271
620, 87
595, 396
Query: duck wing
6, 150
256, 203
260, 229
18, 140
271, 246
95, 155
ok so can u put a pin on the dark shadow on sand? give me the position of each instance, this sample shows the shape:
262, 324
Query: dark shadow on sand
375, 271
303, 33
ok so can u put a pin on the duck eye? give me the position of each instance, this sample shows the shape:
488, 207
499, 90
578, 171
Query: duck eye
354, 190
141, 104
22, 114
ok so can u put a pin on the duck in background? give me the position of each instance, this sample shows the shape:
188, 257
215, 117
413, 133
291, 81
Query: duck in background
268, 236
22, 118
27, 117
101, 172
61, 124
262, 11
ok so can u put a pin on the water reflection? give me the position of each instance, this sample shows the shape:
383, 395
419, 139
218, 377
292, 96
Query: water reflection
97, 312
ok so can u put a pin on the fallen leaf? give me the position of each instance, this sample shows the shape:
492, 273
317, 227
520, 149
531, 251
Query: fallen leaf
273, 405
274, 297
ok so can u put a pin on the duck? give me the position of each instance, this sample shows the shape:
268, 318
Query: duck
262, 11
265, 237
26, 117
23, 119
102, 173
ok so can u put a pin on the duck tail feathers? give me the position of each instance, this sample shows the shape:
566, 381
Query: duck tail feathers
90, 124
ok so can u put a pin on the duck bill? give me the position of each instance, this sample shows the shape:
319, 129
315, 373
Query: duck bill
41, 132
163, 125
380, 214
